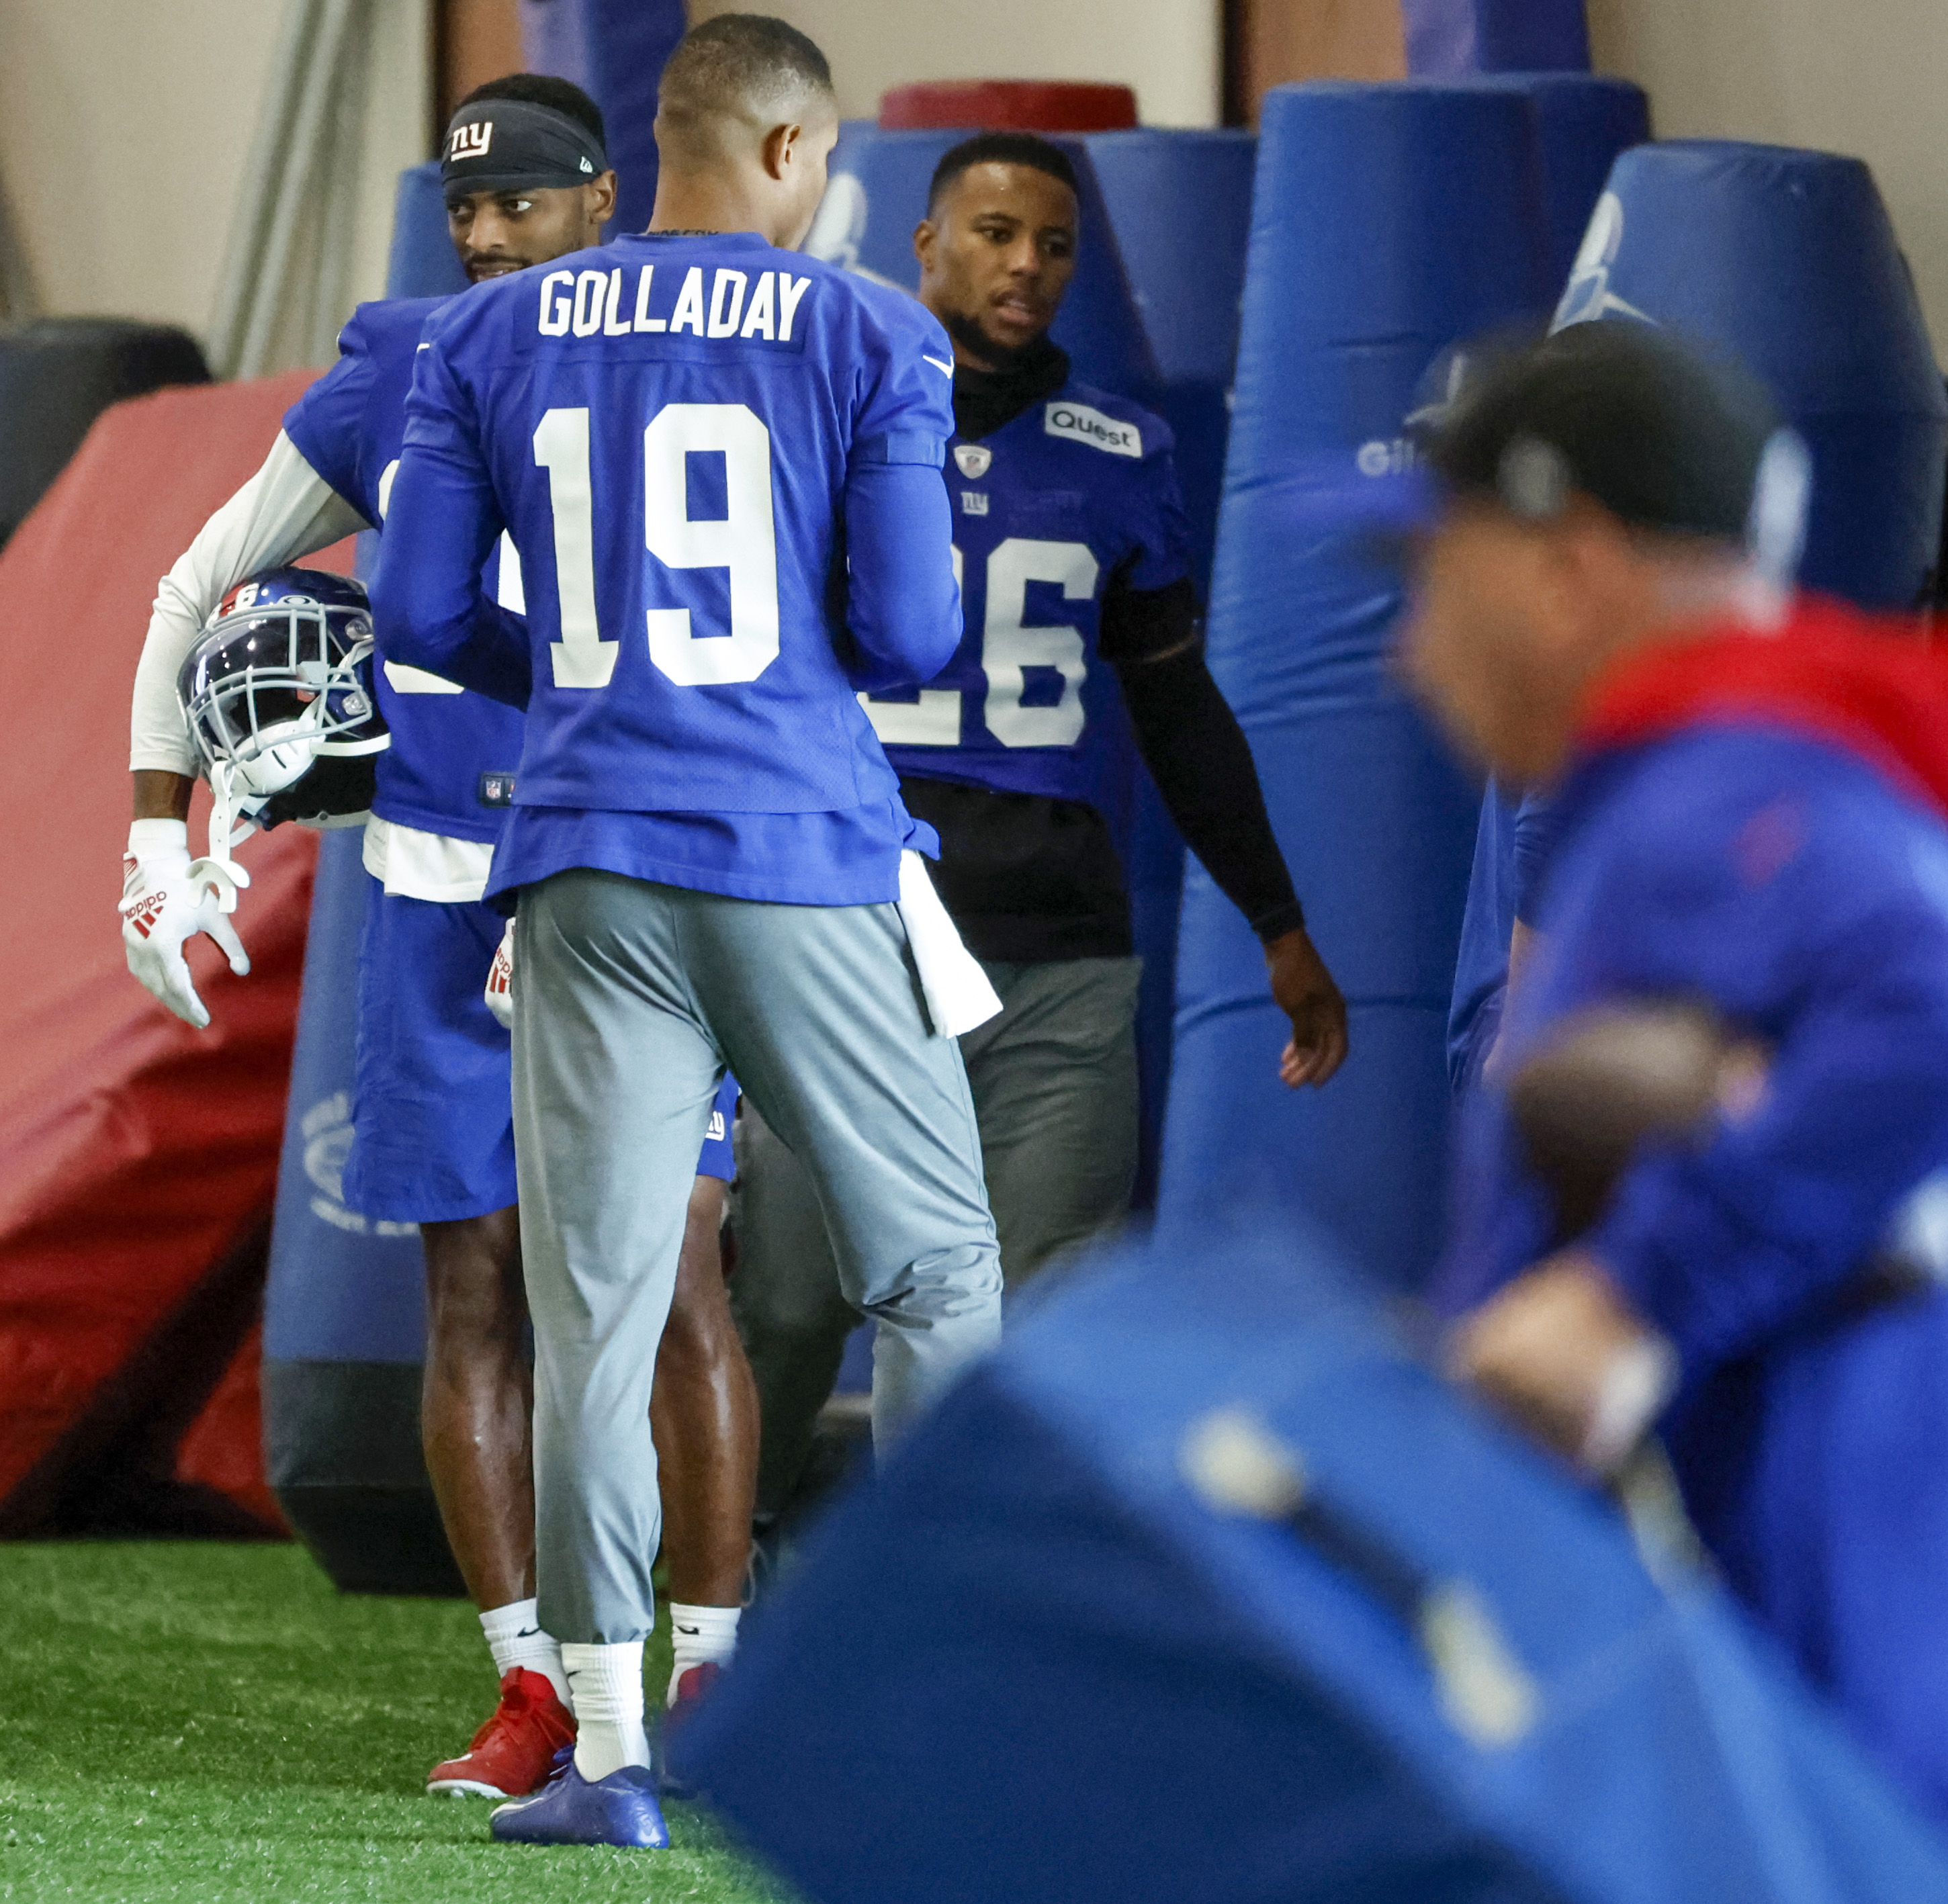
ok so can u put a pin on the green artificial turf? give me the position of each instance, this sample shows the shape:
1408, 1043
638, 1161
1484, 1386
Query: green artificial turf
208, 1723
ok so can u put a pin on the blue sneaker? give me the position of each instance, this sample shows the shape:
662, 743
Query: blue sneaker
620, 1809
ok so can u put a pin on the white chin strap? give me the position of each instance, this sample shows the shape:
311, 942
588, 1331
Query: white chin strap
228, 828
1775, 529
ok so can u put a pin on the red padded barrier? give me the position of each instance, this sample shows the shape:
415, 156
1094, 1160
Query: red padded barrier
223, 1448
134, 1151
1009, 106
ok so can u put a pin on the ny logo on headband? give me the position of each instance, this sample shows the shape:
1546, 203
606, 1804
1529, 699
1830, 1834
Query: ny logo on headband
470, 141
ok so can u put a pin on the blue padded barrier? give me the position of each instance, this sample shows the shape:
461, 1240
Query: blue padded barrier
1785, 260
342, 1287
422, 262
615, 50
1052, 1656
1446, 39
1583, 121
1180, 203
1388, 221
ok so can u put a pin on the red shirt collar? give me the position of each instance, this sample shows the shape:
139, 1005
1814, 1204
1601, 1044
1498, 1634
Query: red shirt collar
1869, 684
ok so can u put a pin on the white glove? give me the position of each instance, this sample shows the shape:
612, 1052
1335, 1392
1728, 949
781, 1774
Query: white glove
500, 993
165, 903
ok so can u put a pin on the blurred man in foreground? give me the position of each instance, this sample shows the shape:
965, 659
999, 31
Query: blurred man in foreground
1751, 803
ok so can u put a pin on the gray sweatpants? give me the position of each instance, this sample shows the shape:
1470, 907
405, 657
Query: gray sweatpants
629, 1000
1054, 1080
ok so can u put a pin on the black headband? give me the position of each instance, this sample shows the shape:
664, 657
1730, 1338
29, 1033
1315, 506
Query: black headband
504, 145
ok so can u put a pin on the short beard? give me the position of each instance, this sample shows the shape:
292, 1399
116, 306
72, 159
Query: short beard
966, 332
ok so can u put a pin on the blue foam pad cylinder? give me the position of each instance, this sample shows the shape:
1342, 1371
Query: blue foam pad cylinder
1201, 1593
1786, 261
1388, 221
341, 1288
1180, 203
422, 262
1446, 39
1583, 121
614, 50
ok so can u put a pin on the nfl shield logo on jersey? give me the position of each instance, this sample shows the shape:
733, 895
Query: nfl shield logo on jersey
974, 459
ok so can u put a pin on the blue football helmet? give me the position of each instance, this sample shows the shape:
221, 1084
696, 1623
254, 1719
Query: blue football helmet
277, 694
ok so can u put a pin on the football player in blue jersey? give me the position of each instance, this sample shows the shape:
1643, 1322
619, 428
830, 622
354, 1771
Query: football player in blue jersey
719, 461
526, 182
1079, 607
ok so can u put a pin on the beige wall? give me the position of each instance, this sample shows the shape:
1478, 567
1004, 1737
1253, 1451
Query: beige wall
125, 125
1866, 77
1170, 51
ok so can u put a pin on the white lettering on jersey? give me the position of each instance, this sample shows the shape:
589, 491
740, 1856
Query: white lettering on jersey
644, 320
761, 318
715, 1133
790, 290
612, 308
590, 289
688, 314
723, 323
511, 592
973, 502
556, 305
1093, 427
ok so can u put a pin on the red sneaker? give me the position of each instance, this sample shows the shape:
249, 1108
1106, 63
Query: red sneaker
513, 1752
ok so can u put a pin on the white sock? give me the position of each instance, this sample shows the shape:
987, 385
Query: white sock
608, 1687
700, 1636
515, 1637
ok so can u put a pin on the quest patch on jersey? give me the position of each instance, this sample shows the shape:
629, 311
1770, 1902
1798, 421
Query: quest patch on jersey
1093, 427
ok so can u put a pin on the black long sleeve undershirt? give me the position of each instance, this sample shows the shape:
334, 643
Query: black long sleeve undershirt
1196, 751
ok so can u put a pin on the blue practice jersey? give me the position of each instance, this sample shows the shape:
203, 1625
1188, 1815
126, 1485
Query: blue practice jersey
452, 759
1079, 492
673, 429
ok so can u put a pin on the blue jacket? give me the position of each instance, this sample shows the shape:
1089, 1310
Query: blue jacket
1799, 884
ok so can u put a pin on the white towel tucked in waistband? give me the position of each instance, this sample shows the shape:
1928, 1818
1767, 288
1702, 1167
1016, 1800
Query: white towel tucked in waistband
958, 995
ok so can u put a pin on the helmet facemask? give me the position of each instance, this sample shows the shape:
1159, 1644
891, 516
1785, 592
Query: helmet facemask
279, 681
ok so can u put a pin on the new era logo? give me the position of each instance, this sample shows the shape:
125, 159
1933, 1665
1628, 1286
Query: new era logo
470, 141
